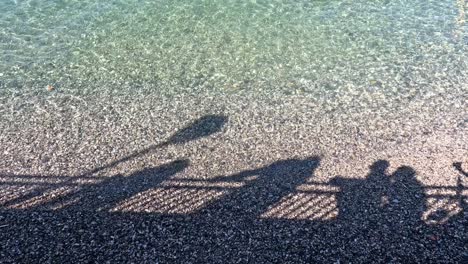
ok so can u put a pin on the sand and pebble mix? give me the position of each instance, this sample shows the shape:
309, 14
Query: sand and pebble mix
258, 179
196, 131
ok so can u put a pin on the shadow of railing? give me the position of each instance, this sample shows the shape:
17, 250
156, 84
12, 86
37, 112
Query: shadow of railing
25, 191
155, 191
275, 213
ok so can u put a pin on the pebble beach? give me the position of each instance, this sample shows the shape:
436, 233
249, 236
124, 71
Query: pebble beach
319, 139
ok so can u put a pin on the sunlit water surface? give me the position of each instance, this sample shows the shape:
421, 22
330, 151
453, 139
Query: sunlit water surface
317, 48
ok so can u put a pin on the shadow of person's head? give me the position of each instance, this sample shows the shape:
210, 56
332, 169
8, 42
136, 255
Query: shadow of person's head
404, 174
379, 166
288, 170
203, 127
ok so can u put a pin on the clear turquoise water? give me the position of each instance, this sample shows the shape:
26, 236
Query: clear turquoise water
272, 46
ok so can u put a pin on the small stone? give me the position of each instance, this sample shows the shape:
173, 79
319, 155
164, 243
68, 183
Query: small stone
50, 88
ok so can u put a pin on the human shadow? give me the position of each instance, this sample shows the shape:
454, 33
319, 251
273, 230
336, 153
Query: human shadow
381, 209
378, 221
378, 217
398, 198
202, 127
263, 188
108, 193
355, 202
93, 194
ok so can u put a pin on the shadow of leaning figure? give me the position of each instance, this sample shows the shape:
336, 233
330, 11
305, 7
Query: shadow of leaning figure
262, 188
110, 191
403, 227
113, 190
381, 210
406, 201
399, 197
361, 202
231, 227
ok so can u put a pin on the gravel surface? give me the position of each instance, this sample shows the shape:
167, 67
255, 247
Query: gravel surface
200, 131
233, 178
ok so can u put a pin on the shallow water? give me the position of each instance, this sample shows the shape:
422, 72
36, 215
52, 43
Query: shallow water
280, 46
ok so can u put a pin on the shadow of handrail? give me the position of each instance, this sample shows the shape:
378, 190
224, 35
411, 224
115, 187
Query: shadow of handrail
278, 204
205, 126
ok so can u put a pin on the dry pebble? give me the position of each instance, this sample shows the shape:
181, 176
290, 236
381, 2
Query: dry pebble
233, 132
232, 186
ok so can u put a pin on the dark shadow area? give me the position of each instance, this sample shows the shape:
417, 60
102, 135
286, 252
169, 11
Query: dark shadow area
463, 198
106, 194
271, 183
398, 197
272, 214
458, 167
203, 127
384, 209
